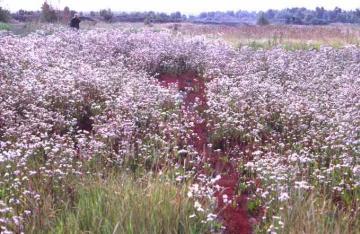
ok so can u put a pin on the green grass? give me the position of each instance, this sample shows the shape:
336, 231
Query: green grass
4, 27
124, 204
288, 45
293, 46
103, 197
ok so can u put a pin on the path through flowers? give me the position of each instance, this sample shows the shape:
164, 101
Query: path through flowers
231, 207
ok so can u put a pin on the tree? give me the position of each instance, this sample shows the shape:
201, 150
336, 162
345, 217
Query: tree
231, 13
270, 14
262, 20
149, 18
48, 14
320, 12
4, 15
148, 21
357, 13
163, 17
309, 19
66, 14
176, 16
107, 15
72, 13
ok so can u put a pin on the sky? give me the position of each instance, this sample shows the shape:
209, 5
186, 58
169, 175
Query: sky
185, 6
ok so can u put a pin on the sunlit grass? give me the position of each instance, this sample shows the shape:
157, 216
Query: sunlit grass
123, 203
314, 212
126, 205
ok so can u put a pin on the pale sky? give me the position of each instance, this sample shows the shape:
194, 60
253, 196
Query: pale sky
185, 6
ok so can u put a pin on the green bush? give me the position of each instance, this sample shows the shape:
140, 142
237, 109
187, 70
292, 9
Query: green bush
4, 26
262, 20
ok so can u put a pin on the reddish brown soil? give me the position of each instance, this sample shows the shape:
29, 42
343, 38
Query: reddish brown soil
234, 216
197, 94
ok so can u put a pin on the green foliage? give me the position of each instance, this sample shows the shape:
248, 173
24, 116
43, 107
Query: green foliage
253, 206
27, 28
48, 14
148, 21
123, 204
107, 15
256, 45
4, 27
262, 20
301, 46
287, 45
4, 15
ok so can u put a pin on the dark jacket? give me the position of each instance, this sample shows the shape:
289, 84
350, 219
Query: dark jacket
75, 23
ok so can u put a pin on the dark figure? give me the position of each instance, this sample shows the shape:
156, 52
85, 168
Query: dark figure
75, 22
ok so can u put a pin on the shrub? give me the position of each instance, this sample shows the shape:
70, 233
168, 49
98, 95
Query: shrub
48, 13
4, 26
107, 15
262, 21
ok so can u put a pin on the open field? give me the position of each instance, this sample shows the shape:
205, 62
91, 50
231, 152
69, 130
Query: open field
290, 37
274, 35
133, 129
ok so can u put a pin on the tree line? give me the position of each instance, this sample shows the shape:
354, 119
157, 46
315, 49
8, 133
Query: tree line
319, 16
302, 16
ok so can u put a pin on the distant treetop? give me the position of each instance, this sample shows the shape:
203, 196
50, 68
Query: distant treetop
296, 15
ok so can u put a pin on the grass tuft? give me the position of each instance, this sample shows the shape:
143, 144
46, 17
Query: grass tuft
313, 212
4, 27
122, 204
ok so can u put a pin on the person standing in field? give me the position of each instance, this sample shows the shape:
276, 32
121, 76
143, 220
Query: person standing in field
75, 22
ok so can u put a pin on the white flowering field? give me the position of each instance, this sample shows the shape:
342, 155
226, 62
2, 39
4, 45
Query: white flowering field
249, 136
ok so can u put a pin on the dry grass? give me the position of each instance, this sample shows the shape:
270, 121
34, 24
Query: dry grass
314, 213
123, 203
292, 36
333, 35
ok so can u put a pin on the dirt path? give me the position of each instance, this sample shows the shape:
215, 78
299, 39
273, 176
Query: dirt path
232, 207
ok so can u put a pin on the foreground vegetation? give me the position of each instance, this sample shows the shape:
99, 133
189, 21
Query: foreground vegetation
122, 203
90, 139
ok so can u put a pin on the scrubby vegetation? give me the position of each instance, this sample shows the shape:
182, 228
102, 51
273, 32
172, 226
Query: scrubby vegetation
4, 27
91, 138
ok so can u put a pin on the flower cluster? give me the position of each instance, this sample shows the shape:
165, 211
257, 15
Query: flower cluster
292, 119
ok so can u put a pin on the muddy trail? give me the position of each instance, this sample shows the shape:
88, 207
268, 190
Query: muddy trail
232, 205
